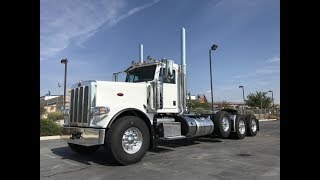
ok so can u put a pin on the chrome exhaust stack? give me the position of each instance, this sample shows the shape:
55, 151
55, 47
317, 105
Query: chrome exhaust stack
183, 72
141, 53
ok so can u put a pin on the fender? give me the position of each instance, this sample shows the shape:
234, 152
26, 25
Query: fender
130, 111
231, 111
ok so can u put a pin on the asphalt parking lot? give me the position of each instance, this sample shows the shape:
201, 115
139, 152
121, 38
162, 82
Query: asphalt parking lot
206, 158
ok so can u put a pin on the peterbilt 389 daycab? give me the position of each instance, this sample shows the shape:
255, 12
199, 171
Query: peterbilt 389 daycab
129, 117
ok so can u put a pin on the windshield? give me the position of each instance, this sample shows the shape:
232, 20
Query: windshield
141, 74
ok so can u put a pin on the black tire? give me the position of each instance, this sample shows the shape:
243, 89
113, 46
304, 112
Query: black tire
83, 149
250, 120
240, 123
114, 139
218, 127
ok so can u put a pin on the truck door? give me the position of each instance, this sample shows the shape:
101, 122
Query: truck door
170, 90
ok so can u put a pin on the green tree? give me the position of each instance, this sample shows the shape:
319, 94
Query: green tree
200, 108
49, 128
225, 104
259, 99
195, 104
55, 116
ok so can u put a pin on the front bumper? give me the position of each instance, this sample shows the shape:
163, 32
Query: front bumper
83, 136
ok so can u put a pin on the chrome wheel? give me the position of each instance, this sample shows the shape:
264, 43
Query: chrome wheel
132, 140
253, 126
242, 127
225, 124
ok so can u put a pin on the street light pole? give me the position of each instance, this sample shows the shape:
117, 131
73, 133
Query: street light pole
211, 82
272, 100
65, 62
260, 108
213, 47
244, 101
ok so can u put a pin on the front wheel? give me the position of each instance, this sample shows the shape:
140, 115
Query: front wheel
128, 139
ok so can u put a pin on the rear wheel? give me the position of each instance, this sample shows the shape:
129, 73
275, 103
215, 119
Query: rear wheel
240, 131
128, 139
222, 124
83, 149
252, 125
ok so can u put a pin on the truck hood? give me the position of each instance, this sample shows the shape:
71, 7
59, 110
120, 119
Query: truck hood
119, 94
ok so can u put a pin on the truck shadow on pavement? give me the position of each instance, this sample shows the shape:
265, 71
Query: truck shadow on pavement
101, 157
104, 157
209, 140
188, 142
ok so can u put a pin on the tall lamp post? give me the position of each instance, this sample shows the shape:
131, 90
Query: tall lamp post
260, 109
244, 101
272, 100
213, 48
65, 62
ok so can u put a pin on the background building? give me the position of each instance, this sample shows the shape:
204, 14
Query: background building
53, 103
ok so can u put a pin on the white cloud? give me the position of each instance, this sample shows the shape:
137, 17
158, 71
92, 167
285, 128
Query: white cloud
221, 93
64, 22
261, 77
267, 70
274, 60
240, 76
131, 12
271, 68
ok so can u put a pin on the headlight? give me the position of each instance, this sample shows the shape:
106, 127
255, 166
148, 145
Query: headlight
100, 110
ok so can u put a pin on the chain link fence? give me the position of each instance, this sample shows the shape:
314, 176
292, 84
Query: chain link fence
264, 113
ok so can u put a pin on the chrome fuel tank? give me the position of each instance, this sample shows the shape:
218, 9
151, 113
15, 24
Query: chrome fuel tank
193, 126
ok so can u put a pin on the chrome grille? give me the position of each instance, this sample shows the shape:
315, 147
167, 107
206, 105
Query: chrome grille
79, 105
71, 105
85, 104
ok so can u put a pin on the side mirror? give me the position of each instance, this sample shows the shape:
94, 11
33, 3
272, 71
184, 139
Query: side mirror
169, 68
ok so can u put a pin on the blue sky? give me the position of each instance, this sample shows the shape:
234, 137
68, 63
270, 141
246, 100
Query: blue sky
102, 37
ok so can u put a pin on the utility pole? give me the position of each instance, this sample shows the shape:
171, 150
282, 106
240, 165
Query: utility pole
213, 48
65, 62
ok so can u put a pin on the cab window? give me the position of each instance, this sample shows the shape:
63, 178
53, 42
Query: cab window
141, 74
171, 80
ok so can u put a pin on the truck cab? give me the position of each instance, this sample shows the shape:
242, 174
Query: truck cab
153, 74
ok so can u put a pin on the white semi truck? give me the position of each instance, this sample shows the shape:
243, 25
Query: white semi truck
130, 117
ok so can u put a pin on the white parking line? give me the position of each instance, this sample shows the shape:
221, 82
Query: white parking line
56, 166
70, 162
49, 156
